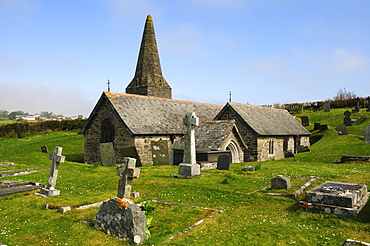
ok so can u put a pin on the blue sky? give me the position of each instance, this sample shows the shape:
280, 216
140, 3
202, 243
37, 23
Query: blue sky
58, 55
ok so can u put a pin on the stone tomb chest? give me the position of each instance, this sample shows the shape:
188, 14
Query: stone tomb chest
337, 198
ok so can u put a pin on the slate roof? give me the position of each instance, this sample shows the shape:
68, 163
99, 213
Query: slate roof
268, 121
205, 137
145, 115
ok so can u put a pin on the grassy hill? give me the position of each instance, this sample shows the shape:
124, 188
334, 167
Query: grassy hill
249, 217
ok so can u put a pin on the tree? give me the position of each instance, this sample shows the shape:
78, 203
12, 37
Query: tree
343, 94
4, 114
12, 115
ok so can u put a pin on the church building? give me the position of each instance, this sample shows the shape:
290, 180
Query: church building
147, 124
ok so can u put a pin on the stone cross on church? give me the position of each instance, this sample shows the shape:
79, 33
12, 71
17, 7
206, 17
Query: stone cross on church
191, 122
127, 173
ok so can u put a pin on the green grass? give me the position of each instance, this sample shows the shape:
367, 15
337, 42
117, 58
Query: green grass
250, 217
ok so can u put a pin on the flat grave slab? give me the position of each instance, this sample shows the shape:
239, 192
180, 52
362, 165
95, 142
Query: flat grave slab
336, 197
8, 188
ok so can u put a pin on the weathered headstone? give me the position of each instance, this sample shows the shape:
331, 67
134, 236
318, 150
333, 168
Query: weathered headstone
368, 104
347, 118
327, 106
56, 158
367, 134
160, 152
342, 130
223, 162
189, 167
131, 151
357, 107
127, 173
107, 154
305, 121
44, 149
335, 197
280, 182
122, 219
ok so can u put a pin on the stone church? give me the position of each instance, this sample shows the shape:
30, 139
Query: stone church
146, 123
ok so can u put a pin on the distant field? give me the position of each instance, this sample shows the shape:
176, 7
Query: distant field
7, 121
250, 217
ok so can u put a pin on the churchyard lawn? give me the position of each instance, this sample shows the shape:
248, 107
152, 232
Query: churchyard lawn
250, 216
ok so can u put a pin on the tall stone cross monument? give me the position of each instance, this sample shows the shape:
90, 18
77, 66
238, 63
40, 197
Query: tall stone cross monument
127, 173
56, 158
189, 167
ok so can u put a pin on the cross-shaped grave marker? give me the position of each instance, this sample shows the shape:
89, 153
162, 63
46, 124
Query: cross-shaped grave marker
56, 158
191, 121
127, 173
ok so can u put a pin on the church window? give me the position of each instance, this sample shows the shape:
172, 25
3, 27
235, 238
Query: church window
271, 147
107, 131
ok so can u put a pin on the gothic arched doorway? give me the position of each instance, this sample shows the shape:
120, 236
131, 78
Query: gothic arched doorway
234, 151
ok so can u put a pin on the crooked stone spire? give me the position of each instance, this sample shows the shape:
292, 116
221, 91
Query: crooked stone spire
148, 79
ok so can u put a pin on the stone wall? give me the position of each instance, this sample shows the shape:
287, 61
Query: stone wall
92, 135
278, 147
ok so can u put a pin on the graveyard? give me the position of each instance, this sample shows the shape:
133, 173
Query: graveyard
220, 207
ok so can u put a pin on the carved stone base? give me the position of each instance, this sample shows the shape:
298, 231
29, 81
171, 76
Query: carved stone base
189, 169
48, 192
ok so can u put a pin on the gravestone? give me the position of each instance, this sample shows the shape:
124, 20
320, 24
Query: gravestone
223, 162
367, 134
316, 126
56, 158
189, 167
280, 182
160, 152
127, 173
336, 197
368, 104
44, 149
122, 219
305, 121
107, 154
323, 127
342, 130
347, 118
357, 107
327, 107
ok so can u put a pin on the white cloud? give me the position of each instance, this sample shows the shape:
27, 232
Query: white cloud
348, 61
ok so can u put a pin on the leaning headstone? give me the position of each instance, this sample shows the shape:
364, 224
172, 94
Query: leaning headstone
56, 158
223, 162
305, 121
127, 173
107, 154
357, 107
327, 106
189, 167
368, 104
131, 152
122, 219
342, 130
347, 118
44, 149
367, 134
280, 182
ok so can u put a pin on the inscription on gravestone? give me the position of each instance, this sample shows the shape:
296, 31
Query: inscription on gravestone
160, 152
56, 158
107, 154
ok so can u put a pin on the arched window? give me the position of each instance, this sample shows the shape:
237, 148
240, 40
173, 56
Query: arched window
107, 131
